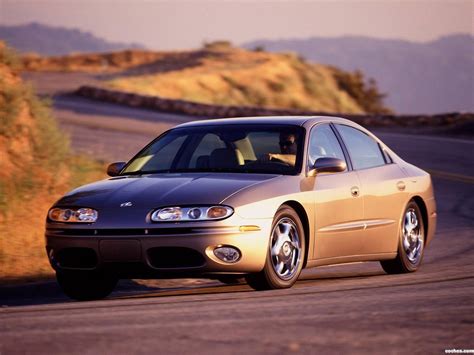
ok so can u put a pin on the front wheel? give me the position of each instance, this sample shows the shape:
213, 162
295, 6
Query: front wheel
285, 255
86, 286
411, 243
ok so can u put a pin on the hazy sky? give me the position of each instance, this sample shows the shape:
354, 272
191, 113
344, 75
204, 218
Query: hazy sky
186, 24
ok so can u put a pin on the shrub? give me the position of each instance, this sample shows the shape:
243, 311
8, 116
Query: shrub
9, 58
364, 92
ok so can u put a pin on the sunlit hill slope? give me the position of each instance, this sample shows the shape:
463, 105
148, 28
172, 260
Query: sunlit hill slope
225, 75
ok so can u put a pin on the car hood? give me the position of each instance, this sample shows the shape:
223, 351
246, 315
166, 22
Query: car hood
158, 190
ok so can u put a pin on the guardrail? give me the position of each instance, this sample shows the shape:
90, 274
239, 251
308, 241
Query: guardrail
218, 111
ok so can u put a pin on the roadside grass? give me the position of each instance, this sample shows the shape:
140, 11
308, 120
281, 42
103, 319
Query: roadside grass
23, 255
36, 168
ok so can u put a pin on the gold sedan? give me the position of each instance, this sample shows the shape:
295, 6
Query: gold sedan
260, 198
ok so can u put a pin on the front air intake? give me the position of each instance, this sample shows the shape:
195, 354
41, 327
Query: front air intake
76, 258
175, 258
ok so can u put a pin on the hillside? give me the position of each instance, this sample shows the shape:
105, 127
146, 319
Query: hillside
36, 168
225, 75
431, 77
48, 40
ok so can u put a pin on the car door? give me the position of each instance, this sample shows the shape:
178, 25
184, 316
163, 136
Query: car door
382, 185
338, 206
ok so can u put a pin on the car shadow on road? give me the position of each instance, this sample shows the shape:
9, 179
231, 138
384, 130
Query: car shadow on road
49, 292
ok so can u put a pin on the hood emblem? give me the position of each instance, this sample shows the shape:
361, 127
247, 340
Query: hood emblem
126, 204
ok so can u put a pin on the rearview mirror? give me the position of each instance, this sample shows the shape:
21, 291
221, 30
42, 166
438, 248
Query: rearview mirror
115, 168
327, 165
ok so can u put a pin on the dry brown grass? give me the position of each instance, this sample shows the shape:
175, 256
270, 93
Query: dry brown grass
36, 168
23, 255
235, 76
91, 62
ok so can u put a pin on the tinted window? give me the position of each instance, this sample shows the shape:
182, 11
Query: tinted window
267, 143
158, 156
208, 144
323, 143
269, 149
364, 150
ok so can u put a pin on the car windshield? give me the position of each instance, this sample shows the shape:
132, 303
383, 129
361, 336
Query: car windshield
269, 149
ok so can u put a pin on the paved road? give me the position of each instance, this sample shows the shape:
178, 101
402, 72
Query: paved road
110, 132
106, 131
355, 308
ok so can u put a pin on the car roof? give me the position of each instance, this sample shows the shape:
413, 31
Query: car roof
289, 120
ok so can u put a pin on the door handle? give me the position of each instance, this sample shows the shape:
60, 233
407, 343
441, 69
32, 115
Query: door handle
401, 185
354, 191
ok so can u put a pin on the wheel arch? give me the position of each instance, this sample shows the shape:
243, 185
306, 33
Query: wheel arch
300, 210
424, 212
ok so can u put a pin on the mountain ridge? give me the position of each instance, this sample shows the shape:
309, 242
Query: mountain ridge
51, 40
431, 77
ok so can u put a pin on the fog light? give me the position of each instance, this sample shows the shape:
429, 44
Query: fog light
227, 254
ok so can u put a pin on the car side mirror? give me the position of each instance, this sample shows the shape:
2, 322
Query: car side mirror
115, 168
327, 165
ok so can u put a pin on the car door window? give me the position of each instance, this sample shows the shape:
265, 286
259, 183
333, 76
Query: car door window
364, 150
323, 143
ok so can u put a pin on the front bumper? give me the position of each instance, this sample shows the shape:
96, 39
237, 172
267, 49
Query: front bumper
177, 251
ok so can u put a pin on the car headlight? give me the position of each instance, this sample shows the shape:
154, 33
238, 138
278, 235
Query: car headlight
199, 213
73, 215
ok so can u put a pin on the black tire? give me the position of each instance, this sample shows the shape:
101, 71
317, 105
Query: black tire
231, 280
86, 286
269, 278
406, 262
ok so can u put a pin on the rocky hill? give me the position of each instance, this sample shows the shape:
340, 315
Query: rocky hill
225, 75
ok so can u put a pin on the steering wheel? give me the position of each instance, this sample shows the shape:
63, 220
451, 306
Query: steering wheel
278, 161
271, 162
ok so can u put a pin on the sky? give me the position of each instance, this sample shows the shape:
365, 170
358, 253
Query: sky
181, 24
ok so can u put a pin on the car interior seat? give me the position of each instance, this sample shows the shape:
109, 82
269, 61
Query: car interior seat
225, 158
202, 162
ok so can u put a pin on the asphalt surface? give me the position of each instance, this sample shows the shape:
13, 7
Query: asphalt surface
110, 132
353, 308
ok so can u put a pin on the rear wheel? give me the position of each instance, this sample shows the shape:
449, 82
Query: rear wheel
86, 286
411, 243
285, 253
